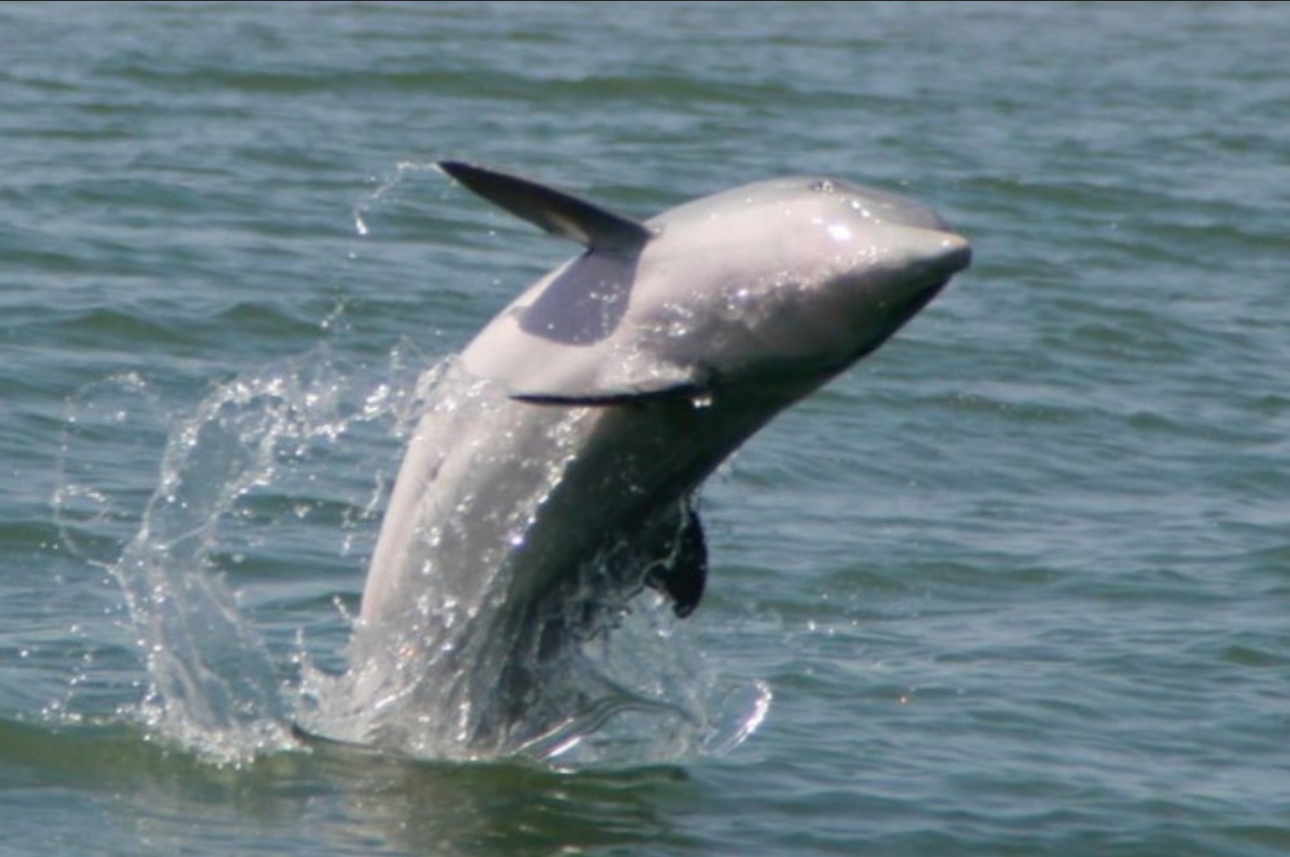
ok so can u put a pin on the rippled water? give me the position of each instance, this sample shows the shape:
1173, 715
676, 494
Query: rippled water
1017, 584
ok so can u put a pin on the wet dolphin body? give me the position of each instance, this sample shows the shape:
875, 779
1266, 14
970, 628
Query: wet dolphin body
557, 478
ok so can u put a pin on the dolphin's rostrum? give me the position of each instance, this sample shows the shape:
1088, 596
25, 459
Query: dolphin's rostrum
558, 479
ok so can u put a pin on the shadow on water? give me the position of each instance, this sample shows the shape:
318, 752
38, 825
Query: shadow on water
350, 800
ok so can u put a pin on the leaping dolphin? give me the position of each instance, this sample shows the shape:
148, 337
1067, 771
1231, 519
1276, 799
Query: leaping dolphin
556, 480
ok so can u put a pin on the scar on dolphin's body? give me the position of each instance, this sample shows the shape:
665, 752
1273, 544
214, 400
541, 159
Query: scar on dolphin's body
558, 479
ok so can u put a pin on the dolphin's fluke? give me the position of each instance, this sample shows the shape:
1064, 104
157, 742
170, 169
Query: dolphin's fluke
555, 211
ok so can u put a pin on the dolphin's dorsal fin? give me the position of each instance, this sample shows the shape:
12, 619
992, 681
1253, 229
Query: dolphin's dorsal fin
557, 212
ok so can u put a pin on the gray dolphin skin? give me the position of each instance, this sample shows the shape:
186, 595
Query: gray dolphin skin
556, 481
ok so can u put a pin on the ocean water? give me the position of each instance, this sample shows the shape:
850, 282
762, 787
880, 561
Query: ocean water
1017, 584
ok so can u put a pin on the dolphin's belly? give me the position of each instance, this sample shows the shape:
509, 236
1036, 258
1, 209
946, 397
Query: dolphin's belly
494, 488
499, 510
476, 473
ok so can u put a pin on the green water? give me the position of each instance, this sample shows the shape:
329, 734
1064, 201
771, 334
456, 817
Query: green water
1019, 584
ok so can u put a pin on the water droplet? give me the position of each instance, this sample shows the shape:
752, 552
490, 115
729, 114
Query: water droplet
839, 231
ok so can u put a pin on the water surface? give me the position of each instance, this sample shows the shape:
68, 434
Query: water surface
1018, 584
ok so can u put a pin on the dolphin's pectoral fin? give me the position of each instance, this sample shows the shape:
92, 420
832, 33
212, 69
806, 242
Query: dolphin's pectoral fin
661, 382
554, 211
625, 396
682, 575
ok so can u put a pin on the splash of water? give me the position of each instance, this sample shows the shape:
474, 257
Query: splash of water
633, 691
213, 686
383, 186
598, 674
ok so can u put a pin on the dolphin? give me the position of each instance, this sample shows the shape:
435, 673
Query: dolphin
552, 475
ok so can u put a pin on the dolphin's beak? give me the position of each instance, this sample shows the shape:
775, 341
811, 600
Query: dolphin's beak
957, 254
940, 256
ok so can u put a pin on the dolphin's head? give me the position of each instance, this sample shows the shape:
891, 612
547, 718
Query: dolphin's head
779, 284
792, 279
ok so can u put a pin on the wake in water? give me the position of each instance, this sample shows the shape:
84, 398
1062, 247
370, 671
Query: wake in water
631, 689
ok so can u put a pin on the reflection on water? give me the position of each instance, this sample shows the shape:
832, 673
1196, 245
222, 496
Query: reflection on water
353, 800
